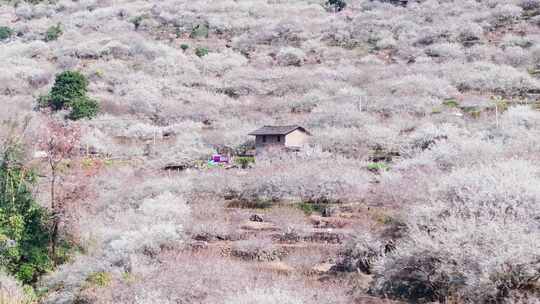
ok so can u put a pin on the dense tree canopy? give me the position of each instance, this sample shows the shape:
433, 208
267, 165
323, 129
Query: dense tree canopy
24, 236
69, 92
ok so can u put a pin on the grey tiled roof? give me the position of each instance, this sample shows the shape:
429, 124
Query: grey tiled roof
277, 130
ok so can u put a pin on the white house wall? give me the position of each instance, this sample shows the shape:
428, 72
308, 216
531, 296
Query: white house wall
296, 138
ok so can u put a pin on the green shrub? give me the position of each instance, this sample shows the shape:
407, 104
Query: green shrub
178, 31
199, 31
24, 236
184, 47
69, 92
53, 32
451, 103
137, 20
99, 279
128, 277
5, 32
383, 219
201, 51
244, 161
83, 107
500, 103
68, 86
44, 101
310, 208
533, 71
250, 204
377, 167
306, 207
473, 111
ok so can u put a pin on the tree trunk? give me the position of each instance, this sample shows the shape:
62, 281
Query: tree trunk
55, 216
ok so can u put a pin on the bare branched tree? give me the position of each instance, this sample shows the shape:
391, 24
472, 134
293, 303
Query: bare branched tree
61, 143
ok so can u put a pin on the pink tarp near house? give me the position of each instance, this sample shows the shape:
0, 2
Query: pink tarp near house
217, 158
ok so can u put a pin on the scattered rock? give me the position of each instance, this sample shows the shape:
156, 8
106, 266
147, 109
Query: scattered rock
259, 226
175, 167
289, 238
290, 56
258, 254
277, 266
199, 245
322, 267
325, 237
230, 194
329, 222
256, 218
328, 211
207, 237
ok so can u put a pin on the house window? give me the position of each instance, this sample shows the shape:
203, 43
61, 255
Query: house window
278, 138
264, 138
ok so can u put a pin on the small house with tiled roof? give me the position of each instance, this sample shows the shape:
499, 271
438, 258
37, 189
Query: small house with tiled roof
291, 137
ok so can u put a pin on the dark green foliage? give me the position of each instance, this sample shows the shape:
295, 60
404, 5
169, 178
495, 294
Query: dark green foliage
68, 86
336, 5
178, 31
303, 106
24, 237
310, 208
473, 111
250, 204
99, 279
245, 147
137, 20
199, 31
83, 107
38, 1
244, 161
451, 103
5, 32
69, 92
44, 101
377, 167
201, 51
184, 47
53, 32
